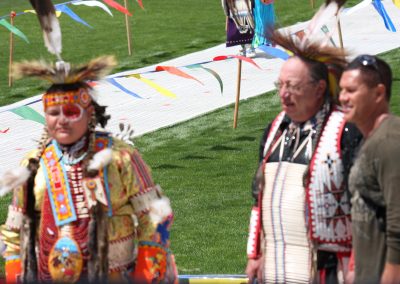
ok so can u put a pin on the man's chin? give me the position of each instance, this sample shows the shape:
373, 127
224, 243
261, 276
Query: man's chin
348, 116
64, 139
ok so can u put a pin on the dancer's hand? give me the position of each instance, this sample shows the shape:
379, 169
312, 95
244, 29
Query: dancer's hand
254, 269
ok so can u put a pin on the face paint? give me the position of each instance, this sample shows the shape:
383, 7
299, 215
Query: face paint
70, 112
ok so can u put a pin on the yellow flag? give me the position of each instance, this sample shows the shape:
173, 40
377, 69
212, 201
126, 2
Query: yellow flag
397, 3
155, 86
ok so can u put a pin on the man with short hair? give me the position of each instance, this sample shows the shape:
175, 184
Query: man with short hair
300, 227
375, 177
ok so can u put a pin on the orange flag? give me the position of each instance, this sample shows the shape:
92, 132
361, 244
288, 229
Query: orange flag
176, 71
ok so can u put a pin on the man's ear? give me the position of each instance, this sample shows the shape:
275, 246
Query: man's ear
380, 92
322, 86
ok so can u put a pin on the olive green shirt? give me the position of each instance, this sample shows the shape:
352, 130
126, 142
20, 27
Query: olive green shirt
375, 186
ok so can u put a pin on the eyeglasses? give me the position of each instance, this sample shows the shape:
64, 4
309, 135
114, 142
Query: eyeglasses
369, 61
291, 87
71, 112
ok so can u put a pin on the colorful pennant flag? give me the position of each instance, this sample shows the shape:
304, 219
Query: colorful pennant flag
244, 58
140, 4
397, 3
13, 29
163, 91
177, 72
275, 52
29, 113
66, 10
58, 13
212, 72
117, 6
93, 3
5, 130
122, 88
382, 12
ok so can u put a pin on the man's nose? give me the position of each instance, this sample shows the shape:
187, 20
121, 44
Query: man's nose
342, 96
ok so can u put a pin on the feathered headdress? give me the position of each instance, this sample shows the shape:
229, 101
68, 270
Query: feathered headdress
62, 73
63, 77
334, 58
327, 10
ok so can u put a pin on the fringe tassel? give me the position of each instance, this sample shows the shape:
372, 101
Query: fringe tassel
98, 246
28, 232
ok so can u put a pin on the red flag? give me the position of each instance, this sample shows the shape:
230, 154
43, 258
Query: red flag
140, 4
117, 6
244, 58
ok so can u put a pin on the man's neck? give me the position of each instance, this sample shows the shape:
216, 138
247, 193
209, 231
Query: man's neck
372, 124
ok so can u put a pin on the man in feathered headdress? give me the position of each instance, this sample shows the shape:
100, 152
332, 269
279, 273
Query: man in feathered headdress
300, 227
84, 205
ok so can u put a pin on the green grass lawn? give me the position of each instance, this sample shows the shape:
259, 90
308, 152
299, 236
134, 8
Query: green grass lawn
204, 166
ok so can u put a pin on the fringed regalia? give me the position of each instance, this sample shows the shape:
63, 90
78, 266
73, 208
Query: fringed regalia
304, 207
124, 192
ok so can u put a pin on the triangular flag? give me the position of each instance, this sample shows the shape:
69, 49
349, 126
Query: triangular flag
29, 113
397, 3
155, 86
140, 4
177, 72
93, 3
69, 12
58, 13
122, 88
212, 72
117, 6
275, 52
244, 58
13, 29
382, 12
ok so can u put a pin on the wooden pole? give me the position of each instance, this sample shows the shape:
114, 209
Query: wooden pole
128, 29
10, 79
340, 31
312, 2
239, 79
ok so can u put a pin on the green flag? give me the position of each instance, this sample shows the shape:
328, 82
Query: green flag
13, 29
29, 113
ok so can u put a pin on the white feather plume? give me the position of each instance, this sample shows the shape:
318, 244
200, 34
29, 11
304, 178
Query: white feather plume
100, 159
12, 179
52, 39
159, 209
50, 25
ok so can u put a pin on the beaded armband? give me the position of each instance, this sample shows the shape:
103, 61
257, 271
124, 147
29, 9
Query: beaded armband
253, 242
142, 201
